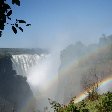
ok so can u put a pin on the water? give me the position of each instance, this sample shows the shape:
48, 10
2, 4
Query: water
40, 70
23, 62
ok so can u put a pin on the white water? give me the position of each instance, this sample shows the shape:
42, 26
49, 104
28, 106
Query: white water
40, 71
24, 62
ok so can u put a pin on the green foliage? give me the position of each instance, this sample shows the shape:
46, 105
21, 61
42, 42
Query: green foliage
71, 107
105, 104
93, 95
5, 15
102, 104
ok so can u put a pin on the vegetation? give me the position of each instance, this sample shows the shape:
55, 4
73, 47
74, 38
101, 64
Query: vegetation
90, 84
5, 16
102, 104
94, 102
86, 62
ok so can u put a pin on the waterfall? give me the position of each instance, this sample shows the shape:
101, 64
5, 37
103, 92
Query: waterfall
41, 72
23, 62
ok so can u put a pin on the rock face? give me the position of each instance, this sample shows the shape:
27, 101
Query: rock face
77, 60
68, 56
13, 88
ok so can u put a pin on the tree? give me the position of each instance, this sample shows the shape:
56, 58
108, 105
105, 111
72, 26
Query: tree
5, 16
90, 84
70, 107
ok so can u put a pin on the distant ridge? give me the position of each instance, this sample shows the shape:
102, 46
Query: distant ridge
16, 51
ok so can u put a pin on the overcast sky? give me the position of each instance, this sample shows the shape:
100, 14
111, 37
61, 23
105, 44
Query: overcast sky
60, 22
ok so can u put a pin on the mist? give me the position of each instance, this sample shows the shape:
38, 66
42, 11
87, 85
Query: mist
77, 37
59, 75
43, 78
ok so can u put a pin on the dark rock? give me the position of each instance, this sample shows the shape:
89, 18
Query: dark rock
13, 88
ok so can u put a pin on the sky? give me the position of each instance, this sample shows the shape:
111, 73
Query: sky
59, 23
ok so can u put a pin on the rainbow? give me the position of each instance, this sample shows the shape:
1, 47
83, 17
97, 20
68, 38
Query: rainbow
79, 98
67, 69
101, 84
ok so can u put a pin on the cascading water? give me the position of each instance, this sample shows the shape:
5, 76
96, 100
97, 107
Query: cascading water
23, 62
40, 70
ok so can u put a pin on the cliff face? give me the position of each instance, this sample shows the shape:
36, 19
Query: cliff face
13, 88
69, 56
76, 62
